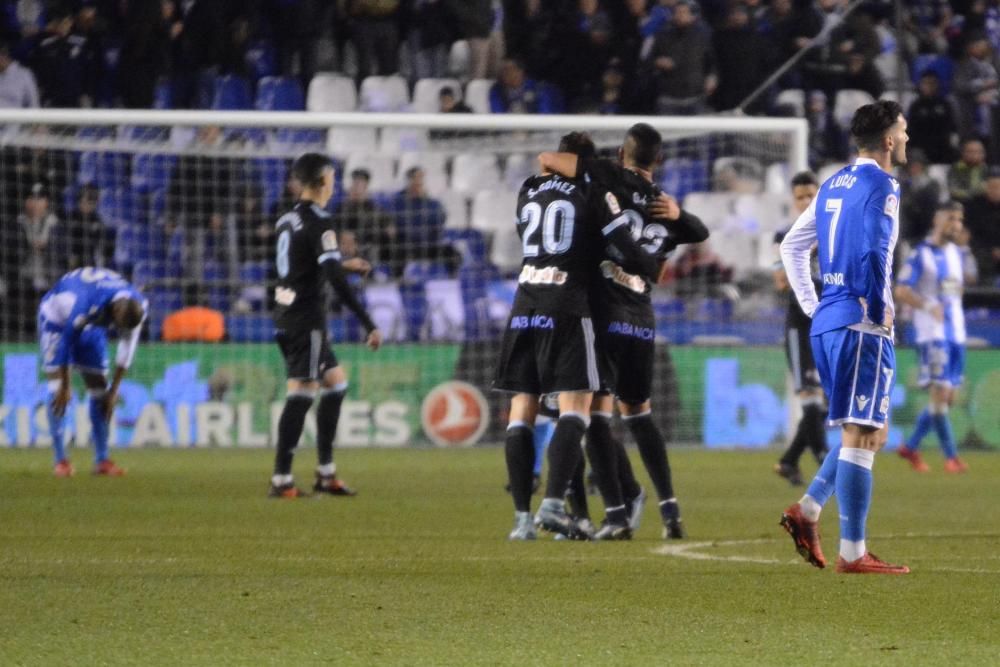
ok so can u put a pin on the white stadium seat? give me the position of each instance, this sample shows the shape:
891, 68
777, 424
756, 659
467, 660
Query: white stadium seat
794, 98
427, 94
341, 141
847, 102
395, 140
385, 304
505, 250
738, 174
456, 205
714, 208
477, 94
434, 166
519, 167
762, 213
331, 92
381, 167
385, 93
493, 210
445, 310
471, 172
939, 173
776, 179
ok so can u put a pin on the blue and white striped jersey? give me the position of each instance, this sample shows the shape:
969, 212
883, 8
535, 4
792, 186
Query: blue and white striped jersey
82, 298
936, 273
854, 220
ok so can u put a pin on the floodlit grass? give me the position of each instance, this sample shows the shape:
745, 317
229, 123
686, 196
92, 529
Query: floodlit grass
185, 562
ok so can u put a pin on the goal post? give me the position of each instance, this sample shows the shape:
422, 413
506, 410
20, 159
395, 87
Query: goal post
181, 203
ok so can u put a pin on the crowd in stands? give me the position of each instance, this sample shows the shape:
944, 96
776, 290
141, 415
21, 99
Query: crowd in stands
501, 56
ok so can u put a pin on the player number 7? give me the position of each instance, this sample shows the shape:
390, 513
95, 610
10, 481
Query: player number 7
833, 206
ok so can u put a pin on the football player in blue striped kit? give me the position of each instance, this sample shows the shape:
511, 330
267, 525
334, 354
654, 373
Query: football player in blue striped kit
854, 221
931, 282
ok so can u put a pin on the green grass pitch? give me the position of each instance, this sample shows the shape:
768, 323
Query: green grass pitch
185, 562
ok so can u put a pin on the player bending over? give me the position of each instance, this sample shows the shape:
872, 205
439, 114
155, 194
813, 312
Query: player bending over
855, 222
626, 325
548, 345
307, 256
931, 282
811, 432
74, 319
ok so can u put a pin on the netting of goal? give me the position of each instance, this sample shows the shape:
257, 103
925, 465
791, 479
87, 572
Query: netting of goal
184, 203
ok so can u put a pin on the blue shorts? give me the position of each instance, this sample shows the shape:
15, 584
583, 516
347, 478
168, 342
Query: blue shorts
857, 371
88, 353
941, 362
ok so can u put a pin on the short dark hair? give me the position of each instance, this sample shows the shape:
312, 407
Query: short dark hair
872, 121
579, 144
127, 313
411, 172
642, 145
950, 206
308, 169
804, 178
362, 173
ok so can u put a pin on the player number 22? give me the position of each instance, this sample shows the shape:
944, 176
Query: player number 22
557, 227
834, 207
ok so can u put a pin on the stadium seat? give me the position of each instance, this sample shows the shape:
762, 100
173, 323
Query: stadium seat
828, 170
518, 168
445, 310
477, 94
151, 171
714, 208
381, 168
163, 95
794, 98
419, 271
471, 172
460, 58
469, 243
762, 213
384, 93
286, 137
887, 64
434, 166
262, 60
738, 174
231, 93
116, 206
104, 170
505, 249
456, 206
939, 172
250, 328
344, 140
279, 93
905, 101
331, 92
427, 94
680, 176
776, 179
394, 140
493, 210
846, 103
271, 174
943, 66
551, 99
385, 305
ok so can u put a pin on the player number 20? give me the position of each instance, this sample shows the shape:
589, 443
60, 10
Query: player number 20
556, 223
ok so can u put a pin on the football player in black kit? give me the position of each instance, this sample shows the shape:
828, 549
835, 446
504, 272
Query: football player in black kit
548, 346
811, 432
626, 327
307, 255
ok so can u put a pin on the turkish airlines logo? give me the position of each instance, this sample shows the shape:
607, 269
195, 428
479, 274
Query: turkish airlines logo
454, 414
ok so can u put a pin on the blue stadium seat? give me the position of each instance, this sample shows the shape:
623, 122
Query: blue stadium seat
469, 242
279, 93
250, 328
107, 84
262, 59
163, 95
474, 281
297, 136
252, 273
162, 302
550, 99
682, 176
232, 93
414, 308
116, 206
943, 66
152, 172
420, 271
105, 170
271, 174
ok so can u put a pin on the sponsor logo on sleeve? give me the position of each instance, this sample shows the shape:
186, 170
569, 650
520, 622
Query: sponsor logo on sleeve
329, 240
891, 205
612, 203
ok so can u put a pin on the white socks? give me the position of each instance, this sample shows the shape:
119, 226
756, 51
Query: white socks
810, 508
327, 470
851, 551
281, 480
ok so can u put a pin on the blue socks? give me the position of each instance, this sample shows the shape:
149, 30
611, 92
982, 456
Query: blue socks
924, 423
57, 426
942, 426
544, 428
99, 428
824, 483
854, 492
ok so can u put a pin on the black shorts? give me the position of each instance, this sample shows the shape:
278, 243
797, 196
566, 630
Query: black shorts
307, 353
626, 348
798, 351
547, 353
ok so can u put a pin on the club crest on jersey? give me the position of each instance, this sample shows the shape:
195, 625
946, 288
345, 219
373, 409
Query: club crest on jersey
891, 204
612, 203
329, 240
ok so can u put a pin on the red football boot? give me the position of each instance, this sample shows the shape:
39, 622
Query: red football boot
955, 466
805, 534
916, 462
64, 469
869, 564
108, 468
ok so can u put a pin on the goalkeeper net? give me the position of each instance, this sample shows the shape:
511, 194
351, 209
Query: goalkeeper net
184, 203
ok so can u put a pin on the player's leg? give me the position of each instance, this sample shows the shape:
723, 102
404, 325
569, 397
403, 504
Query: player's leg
576, 496
332, 389
931, 372
48, 338
600, 448
788, 464
545, 425
945, 399
564, 457
90, 354
519, 452
302, 352
653, 451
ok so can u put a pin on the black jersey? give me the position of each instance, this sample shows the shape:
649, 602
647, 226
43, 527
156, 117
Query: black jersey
623, 205
307, 257
559, 240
